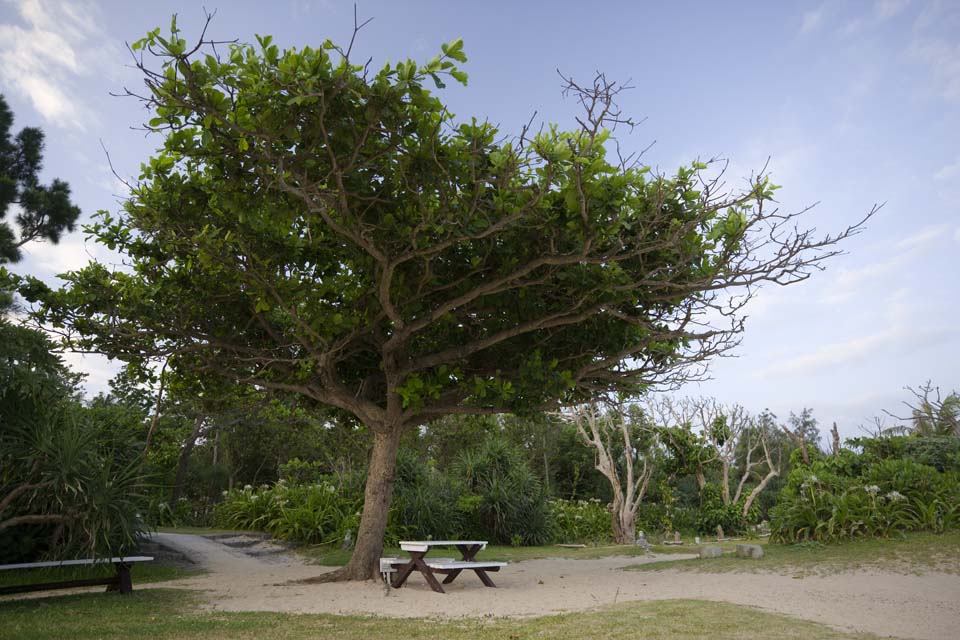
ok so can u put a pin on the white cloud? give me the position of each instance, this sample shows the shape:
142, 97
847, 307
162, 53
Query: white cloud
949, 171
812, 20
56, 41
849, 282
935, 45
886, 9
46, 260
97, 368
858, 349
923, 237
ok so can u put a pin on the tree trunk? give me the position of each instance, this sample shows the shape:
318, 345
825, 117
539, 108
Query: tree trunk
184, 460
624, 525
365, 562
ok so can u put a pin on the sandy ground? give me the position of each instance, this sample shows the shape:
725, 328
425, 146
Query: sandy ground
888, 604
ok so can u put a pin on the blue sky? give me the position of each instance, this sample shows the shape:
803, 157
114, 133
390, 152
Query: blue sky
855, 103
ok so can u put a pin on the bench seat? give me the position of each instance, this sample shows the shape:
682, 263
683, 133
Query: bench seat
465, 564
120, 582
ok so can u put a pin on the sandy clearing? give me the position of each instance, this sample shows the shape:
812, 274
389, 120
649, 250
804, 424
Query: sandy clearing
906, 606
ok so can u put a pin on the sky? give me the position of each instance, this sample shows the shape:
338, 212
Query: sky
853, 104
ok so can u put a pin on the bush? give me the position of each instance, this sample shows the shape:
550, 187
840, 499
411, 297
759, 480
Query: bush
581, 521
508, 498
713, 513
313, 514
831, 501
426, 503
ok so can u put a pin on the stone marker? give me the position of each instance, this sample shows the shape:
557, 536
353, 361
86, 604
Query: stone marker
711, 552
696, 540
641, 541
754, 551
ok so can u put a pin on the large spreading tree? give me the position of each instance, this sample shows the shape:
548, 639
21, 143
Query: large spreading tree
314, 227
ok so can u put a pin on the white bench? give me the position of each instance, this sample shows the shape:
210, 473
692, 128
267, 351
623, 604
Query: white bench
120, 582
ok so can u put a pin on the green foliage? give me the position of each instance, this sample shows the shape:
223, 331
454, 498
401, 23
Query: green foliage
427, 503
45, 212
314, 513
68, 484
348, 209
500, 501
939, 452
714, 512
297, 471
508, 496
581, 521
839, 499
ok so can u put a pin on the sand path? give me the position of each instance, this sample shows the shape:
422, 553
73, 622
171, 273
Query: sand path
888, 604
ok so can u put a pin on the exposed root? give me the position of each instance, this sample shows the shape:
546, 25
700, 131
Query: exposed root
343, 574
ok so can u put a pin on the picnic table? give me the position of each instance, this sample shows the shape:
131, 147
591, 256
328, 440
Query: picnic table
449, 567
120, 581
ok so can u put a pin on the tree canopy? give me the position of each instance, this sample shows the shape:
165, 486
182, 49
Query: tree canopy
314, 227
43, 212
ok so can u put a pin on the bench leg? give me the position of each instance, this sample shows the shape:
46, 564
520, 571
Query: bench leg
124, 583
416, 562
402, 575
428, 575
451, 576
484, 578
468, 552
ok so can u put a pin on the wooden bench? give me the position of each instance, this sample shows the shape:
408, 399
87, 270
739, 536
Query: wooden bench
448, 567
120, 582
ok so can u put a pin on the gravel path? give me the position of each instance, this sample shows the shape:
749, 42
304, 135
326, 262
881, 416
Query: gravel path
888, 604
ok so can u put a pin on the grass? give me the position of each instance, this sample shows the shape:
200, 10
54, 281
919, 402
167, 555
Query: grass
162, 614
141, 572
204, 531
914, 553
335, 557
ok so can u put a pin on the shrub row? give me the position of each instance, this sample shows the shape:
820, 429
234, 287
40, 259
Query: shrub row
838, 498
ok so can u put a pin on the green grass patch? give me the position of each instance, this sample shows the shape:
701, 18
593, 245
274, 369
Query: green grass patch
205, 531
161, 614
333, 556
915, 553
141, 572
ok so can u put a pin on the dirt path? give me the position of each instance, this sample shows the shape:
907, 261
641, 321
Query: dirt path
906, 606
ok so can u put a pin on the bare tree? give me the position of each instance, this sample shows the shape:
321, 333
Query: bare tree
724, 435
628, 472
931, 414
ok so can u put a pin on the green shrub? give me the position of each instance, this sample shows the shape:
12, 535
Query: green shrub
835, 500
713, 512
313, 514
511, 500
425, 503
581, 521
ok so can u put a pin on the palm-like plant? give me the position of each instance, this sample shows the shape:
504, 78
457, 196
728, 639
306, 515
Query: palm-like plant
930, 414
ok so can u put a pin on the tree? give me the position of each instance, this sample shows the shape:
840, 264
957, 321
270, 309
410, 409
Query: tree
313, 227
61, 489
43, 212
931, 414
624, 454
706, 432
804, 432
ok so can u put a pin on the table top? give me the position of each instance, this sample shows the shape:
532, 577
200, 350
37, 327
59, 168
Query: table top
423, 545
